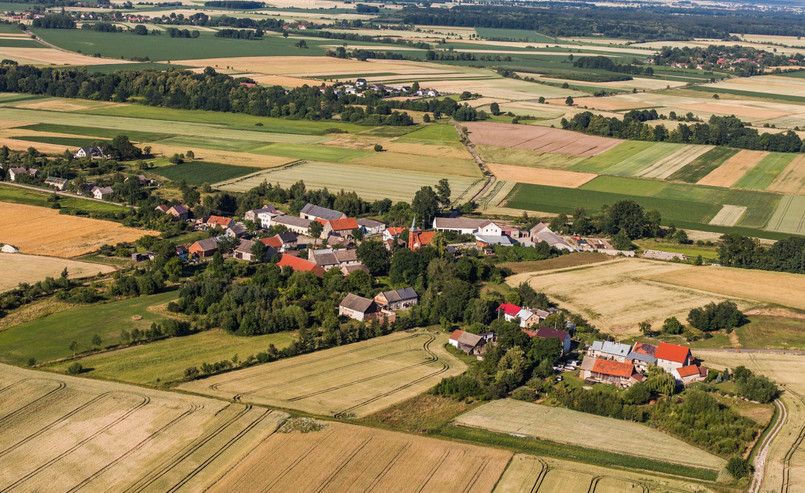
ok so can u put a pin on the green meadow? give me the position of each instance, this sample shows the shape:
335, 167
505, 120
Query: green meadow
199, 172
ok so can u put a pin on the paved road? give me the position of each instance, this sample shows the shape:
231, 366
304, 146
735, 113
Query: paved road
65, 194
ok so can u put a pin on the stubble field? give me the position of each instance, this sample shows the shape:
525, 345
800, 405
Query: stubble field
352, 380
543, 139
17, 268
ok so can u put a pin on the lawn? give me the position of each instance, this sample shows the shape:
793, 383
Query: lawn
434, 133
199, 172
770, 332
49, 338
165, 361
703, 165
764, 172
30, 197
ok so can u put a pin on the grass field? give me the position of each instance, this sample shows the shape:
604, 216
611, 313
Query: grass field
615, 296
19, 268
665, 167
198, 172
703, 165
369, 182
40, 231
439, 133
789, 216
550, 423
352, 380
49, 338
772, 332
618, 154
642, 160
164, 361
16, 195
765, 172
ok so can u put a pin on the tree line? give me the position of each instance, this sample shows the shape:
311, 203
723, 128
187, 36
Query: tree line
787, 255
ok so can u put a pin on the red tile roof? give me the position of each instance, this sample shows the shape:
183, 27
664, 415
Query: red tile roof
456, 334
551, 333
274, 241
672, 352
529, 333
347, 224
509, 309
614, 368
395, 231
219, 220
643, 348
299, 265
688, 371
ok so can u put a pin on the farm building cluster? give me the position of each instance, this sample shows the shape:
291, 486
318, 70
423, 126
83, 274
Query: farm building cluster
624, 365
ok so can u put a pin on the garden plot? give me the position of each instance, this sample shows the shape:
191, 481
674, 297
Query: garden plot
543, 139
729, 215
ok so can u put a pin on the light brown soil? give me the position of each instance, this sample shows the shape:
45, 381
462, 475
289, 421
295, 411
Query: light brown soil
535, 138
538, 176
733, 169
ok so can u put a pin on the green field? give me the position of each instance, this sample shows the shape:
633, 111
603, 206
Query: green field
69, 204
789, 216
165, 361
100, 132
514, 35
314, 153
434, 133
641, 160
764, 332
49, 338
703, 165
19, 43
71, 142
602, 162
199, 172
748, 94
762, 174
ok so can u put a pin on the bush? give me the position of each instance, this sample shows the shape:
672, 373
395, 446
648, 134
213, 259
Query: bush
738, 467
524, 394
75, 369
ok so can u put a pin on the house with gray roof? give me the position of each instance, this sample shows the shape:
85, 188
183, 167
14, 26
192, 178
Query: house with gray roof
609, 350
328, 258
398, 299
542, 233
296, 225
313, 212
642, 355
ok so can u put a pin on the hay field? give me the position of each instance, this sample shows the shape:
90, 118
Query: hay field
17, 268
785, 466
538, 176
770, 84
40, 231
729, 215
791, 179
523, 157
733, 168
369, 182
589, 431
779, 288
789, 216
51, 56
352, 380
545, 475
616, 296
542, 139
669, 165
344, 457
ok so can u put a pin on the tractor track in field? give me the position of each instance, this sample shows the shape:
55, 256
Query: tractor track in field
154, 475
298, 460
793, 449
476, 475
145, 400
382, 474
334, 474
59, 387
432, 471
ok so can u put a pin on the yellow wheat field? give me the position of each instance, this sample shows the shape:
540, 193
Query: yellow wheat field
17, 268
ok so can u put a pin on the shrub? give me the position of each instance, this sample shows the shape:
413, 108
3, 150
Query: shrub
524, 394
75, 368
738, 467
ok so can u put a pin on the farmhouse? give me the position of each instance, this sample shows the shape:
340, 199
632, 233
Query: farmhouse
417, 239
362, 309
526, 316
340, 227
282, 242
313, 212
57, 183
371, 226
236, 230
296, 225
299, 265
611, 372
253, 215
608, 350
549, 333
101, 193
219, 221
91, 152
14, 173
673, 356
642, 355
162, 208
542, 233
244, 251
178, 211
204, 248
471, 343
467, 226
689, 374
327, 258
397, 299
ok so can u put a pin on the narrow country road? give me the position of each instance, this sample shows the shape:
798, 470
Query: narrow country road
66, 194
471, 147
734, 350
763, 453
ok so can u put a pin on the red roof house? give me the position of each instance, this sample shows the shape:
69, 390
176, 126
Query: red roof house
611, 371
223, 222
340, 227
672, 356
300, 265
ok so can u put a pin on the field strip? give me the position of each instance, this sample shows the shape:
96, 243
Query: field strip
733, 169
729, 215
665, 167
789, 216
540, 176
791, 179
590, 431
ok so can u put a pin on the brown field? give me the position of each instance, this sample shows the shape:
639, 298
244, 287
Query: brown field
344, 457
539, 176
751, 109
538, 138
51, 56
311, 65
573, 260
17, 268
285, 81
352, 380
733, 168
791, 179
40, 231
779, 288
608, 104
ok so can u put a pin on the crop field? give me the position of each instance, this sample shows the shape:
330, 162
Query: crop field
539, 176
198, 172
18, 268
669, 165
789, 216
702, 165
49, 338
352, 380
791, 179
602, 162
765, 172
40, 231
538, 474
165, 361
344, 457
368, 182
645, 160
729, 215
523, 157
785, 467
589, 431
38, 55
616, 296
542, 139
93, 436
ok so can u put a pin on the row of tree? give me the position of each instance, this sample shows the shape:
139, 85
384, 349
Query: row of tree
787, 255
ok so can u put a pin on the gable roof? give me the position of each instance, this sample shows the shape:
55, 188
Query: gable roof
103, 190
509, 309
524, 314
458, 223
613, 368
206, 244
551, 333
613, 348
237, 229
321, 212
274, 242
358, 303
299, 265
672, 352
245, 246
494, 240
179, 209
162, 208
466, 338
343, 224
370, 223
288, 237
688, 371
643, 352
219, 221
327, 256
395, 231
403, 294
292, 221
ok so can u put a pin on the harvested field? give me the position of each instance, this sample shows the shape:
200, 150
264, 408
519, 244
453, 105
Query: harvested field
589, 431
537, 176
615, 296
344, 457
40, 231
753, 110
353, 380
669, 165
791, 179
733, 168
50, 56
523, 157
17, 268
729, 215
543, 139
368, 182
779, 288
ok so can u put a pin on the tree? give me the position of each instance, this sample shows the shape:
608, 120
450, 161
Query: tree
638, 393
443, 193
75, 368
645, 328
258, 251
494, 108
378, 148
672, 326
190, 155
660, 381
569, 101
426, 118
96, 340
301, 44
738, 467
140, 30
544, 349
74, 347
425, 204
316, 229
374, 255
621, 241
